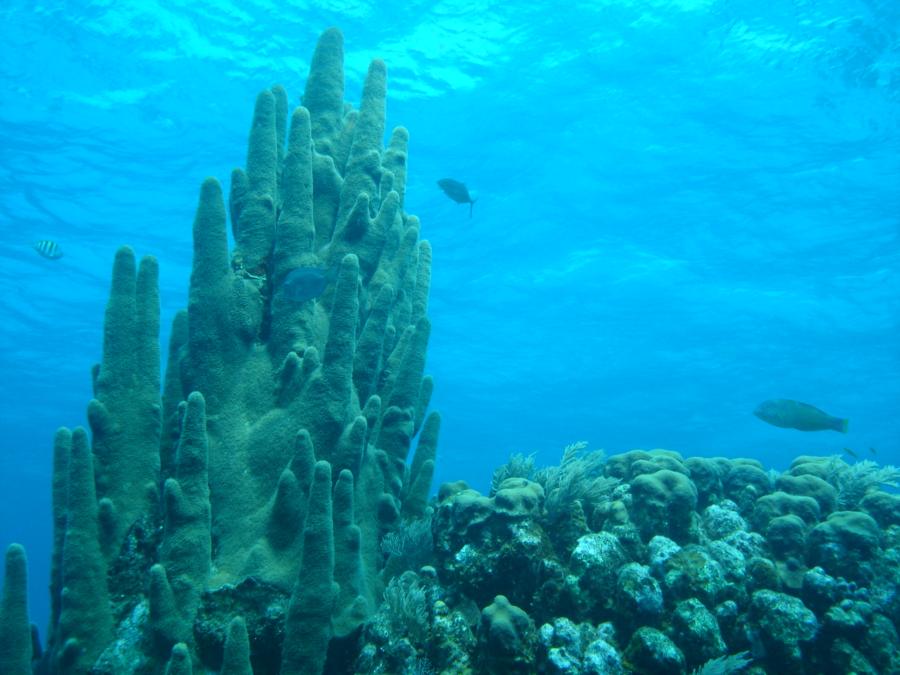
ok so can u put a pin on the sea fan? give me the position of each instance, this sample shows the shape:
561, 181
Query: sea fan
579, 477
410, 546
405, 608
518, 466
855, 481
724, 665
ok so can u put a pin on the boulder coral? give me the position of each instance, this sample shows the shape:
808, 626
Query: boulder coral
665, 502
845, 544
507, 636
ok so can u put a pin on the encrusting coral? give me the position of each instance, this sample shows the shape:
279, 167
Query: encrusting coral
245, 504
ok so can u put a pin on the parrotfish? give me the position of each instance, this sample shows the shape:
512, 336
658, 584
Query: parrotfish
49, 249
788, 414
457, 191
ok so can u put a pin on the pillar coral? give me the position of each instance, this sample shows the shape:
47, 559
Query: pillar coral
15, 633
262, 478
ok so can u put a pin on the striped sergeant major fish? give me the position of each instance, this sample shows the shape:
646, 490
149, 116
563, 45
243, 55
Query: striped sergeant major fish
49, 249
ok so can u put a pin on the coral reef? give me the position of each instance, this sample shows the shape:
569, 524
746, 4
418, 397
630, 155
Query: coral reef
767, 576
670, 575
257, 511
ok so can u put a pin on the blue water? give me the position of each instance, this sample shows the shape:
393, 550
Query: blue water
685, 207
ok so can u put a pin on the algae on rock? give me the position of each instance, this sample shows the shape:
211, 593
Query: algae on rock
262, 479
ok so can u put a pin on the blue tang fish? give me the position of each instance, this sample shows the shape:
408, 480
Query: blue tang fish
305, 283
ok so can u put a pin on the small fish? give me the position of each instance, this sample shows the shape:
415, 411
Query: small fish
789, 414
873, 450
851, 453
49, 249
457, 191
305, 283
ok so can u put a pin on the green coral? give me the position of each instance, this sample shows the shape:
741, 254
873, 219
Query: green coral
884, 507
277, 447
846, 545
651, 651
783, 504
783, 626
507, 637
663, 503
85, 623
15, 632
236, 659
810, 485
125, 413
308, 627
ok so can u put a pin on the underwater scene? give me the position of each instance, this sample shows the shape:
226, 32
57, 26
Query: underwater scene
449, 336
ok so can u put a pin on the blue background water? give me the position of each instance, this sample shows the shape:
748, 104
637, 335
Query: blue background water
685, 207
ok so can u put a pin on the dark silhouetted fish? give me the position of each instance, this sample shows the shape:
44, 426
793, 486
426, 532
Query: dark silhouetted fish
49, 249
789, 414
457, 191
305, 283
